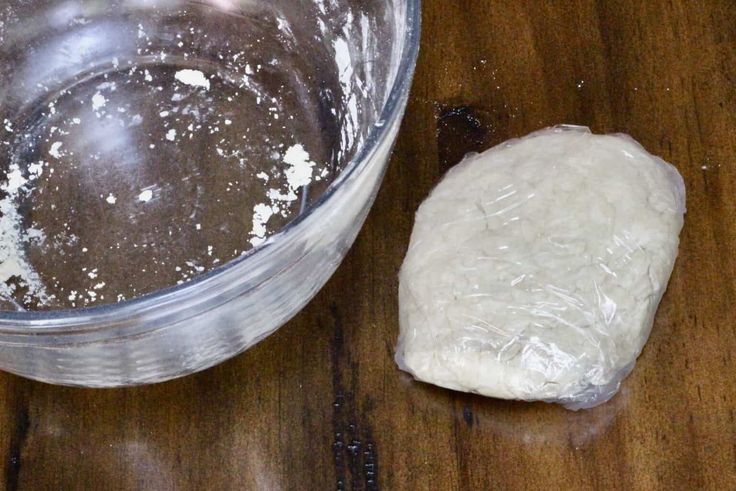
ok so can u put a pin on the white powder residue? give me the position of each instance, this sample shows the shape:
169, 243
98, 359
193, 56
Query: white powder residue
299, 172
98, 101
275, 195
15, 181
195, 78
54, 151
36, 169
111, 199
107, 86
35, 235
145, 196
342, 58
262, 213
367, 36
345, 72
12, 263
196, 267
171, 135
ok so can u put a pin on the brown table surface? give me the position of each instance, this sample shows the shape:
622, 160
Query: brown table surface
321, 405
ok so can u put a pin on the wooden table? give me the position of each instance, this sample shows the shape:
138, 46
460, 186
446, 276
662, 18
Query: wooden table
321, 405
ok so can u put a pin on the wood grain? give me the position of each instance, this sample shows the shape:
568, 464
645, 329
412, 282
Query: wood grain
321, 405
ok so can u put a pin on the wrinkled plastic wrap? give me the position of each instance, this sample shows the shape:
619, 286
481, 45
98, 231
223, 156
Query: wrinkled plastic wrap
535, 269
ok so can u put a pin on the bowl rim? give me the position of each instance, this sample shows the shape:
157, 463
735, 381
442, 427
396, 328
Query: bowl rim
70, 321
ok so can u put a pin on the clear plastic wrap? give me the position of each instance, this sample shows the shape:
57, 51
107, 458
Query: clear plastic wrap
535, 269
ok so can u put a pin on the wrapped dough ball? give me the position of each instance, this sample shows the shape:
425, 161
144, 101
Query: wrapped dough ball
535, 269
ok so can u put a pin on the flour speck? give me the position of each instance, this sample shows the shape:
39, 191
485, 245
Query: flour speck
262, 213
194, 78
145, 196
54, 151
98, 101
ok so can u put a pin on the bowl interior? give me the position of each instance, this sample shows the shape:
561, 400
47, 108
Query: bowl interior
148, 143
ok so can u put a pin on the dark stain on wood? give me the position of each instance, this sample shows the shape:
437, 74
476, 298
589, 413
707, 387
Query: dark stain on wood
355, 454
15, 451
468, 416
460, 130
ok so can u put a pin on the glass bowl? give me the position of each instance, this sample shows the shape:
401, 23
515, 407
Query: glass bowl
81, 98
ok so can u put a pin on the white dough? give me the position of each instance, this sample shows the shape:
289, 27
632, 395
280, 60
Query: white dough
535, 269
